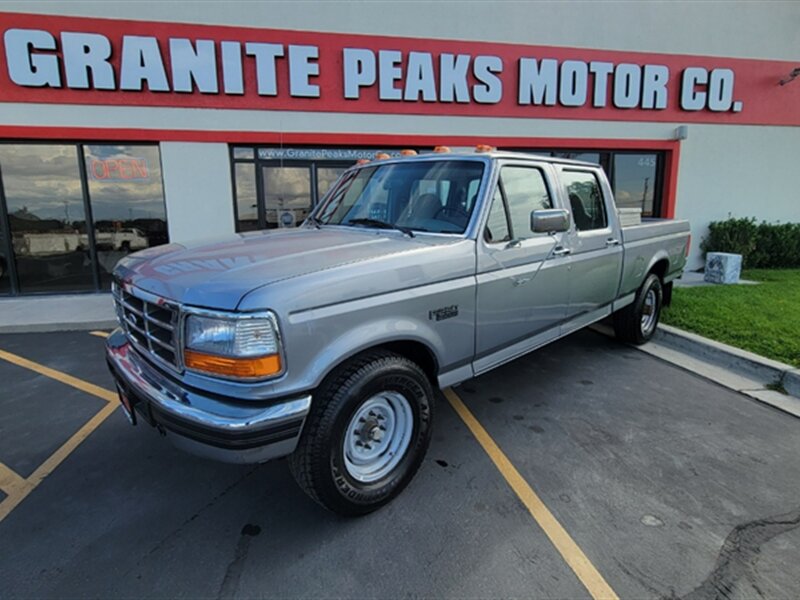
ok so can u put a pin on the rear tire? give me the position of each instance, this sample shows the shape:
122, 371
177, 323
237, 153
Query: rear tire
637, 322
366, 435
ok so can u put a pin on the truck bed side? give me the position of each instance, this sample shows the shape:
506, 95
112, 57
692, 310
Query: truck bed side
659, 242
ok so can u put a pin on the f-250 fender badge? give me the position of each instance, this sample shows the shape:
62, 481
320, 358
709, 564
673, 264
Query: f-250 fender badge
446, 312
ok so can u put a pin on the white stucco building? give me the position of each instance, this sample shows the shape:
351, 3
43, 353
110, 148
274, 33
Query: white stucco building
123, 125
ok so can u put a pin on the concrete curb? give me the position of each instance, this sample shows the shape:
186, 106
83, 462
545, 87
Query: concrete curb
735, 369
734, 359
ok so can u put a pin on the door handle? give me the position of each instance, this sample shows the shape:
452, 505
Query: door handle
561, 251
612, 242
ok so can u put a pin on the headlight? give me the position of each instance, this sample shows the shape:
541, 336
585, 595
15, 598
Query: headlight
245, 347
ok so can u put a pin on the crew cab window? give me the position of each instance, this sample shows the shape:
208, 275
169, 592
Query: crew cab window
524, 190
585, 200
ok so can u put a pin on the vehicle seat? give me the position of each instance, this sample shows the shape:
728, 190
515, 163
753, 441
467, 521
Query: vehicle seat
582, 220
421, 208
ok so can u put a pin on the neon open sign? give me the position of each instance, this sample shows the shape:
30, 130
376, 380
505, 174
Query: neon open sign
117, 169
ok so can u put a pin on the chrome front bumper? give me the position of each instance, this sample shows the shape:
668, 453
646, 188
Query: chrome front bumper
226, 430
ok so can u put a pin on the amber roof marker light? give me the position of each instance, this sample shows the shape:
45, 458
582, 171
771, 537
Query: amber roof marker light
442, 149
362, 161
381, 156
408, 152
484, 148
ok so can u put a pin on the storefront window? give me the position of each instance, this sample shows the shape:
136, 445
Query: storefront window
635, 181
326, 177
127, 201
50, 191
46, 216
278, 187
287, 195
246, 197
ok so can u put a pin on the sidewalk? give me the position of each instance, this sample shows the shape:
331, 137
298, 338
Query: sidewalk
56, 313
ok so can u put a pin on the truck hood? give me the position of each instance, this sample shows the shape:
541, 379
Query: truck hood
218, 274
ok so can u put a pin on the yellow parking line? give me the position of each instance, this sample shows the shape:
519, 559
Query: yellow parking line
11, 482
55, 459
84, 386
102, 334
566, 546
15, 486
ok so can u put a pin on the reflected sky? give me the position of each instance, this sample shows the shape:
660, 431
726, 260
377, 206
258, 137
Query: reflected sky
42, 181
120, 199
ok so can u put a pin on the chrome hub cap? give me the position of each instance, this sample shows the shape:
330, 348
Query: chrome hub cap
378, 436
649, 312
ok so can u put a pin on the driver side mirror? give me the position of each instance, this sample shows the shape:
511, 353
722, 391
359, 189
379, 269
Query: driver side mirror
550, 220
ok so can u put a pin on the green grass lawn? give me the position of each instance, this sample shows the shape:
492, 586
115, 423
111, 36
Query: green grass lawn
763, 318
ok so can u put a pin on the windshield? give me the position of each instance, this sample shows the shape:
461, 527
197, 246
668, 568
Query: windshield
436, 196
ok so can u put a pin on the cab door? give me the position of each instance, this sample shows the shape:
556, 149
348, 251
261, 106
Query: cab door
522, 277
595, 242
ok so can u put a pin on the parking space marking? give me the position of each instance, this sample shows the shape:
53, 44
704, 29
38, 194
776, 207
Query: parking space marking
102, 334
17, 487
11, 482
84, 386
570, 551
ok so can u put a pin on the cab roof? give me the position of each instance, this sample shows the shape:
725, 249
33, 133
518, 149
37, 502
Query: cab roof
491, 155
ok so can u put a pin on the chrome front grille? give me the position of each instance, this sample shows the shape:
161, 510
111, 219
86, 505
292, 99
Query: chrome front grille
151, 323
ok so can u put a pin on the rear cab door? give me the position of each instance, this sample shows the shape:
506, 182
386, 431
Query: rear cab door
595, 241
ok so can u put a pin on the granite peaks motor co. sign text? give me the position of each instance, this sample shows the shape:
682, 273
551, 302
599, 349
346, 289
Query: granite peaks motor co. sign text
92, 61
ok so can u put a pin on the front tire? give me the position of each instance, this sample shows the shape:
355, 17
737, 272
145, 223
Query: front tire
637, 322
366, 435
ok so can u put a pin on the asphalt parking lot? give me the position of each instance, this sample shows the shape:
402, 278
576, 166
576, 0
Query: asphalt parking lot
660, 482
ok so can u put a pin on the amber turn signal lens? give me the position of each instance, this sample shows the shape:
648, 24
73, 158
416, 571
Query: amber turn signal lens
261, 366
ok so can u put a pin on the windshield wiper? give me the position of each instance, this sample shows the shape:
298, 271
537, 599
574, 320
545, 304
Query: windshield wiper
380, 225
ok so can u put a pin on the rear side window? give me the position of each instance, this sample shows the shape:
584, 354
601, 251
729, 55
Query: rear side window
519, 191
585, 200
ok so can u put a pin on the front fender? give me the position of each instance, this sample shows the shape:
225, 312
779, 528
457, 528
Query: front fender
370, 335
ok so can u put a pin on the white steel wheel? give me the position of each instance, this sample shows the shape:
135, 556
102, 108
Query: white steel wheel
378, 436
649, 312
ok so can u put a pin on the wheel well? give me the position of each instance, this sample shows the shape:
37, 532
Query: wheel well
660, 268
417, 352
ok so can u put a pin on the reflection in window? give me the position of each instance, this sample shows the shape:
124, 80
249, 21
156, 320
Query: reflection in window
287, 195
525, 191
497, 224
635, 181
127, 200
246, 197
46, 216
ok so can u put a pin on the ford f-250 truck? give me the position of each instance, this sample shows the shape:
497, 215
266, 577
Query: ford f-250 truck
326, 343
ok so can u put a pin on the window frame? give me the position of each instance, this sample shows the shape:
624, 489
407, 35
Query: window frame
593, 173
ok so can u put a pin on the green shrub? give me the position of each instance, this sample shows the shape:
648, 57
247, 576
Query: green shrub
762, 245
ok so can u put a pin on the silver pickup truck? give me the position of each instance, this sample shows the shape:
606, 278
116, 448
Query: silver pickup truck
326, 343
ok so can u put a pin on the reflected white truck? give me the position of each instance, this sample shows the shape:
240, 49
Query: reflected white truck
326, 343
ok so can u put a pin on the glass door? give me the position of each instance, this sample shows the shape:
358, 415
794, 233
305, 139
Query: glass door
286, 195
